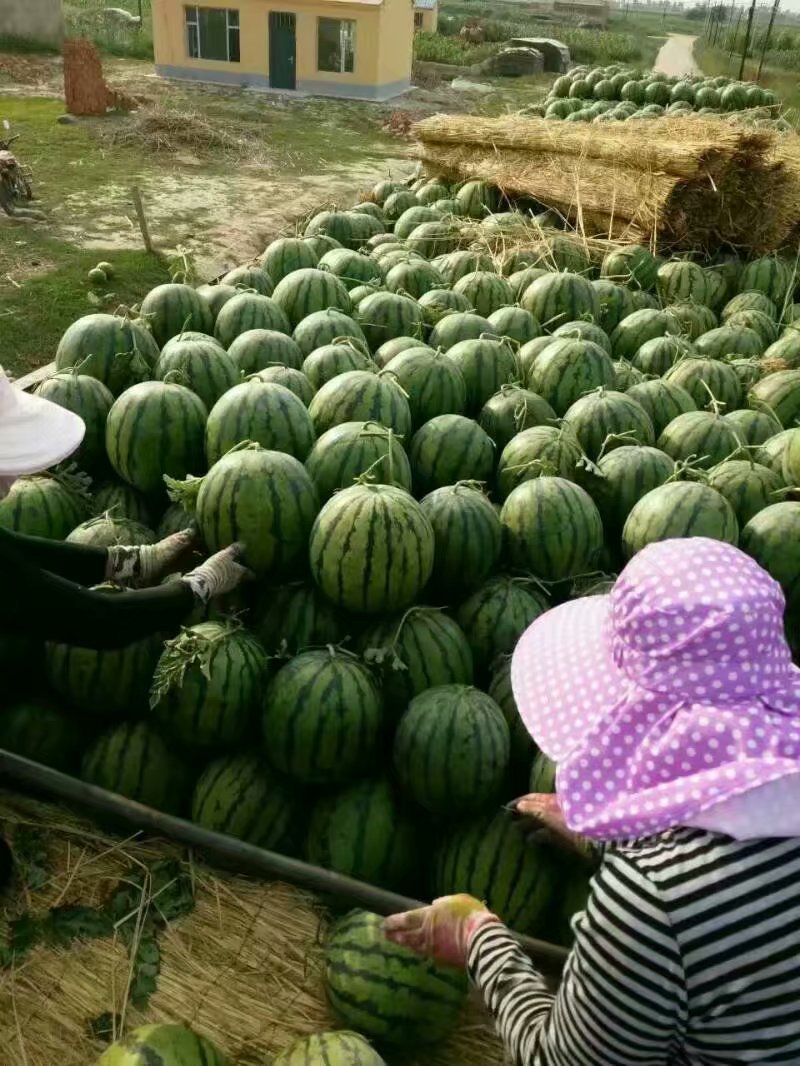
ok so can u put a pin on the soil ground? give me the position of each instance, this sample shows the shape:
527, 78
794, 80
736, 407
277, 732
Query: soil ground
677, 56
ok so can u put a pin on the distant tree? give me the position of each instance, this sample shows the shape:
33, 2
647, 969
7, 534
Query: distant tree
698, 13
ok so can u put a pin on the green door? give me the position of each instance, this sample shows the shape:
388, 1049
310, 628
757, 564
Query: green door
281, 50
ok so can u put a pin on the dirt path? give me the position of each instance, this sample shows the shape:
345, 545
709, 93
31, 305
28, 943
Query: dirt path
676, 56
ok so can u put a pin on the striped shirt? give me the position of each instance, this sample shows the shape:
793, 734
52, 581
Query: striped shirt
688, 954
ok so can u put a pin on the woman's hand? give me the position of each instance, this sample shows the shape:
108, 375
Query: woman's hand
144, 564
443, 930
542, 821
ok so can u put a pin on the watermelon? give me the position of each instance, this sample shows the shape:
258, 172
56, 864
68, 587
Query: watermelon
121, 501
476, 199
293, 380
330, 1049
437, 303
489, 858
758, 322
447, 449
486, 291
586, 331
216, 296
306, 291
456, 265
433, 384
753, 427
717, 288
615, 303
256, 349
679, 280
604, 419
496, 615
566, 369
371, 548
729, 340
511, 410
520, 279
263, 499
700, 436
386, 991
558, 298
710, 382
749, 301
253, 278
345, 452
397, 203
786, 349
747, 486
170, 309
323, 718
385, 315
175, 519
626, 375
625, 475
291, 618
114, 350
365, 832
360, 396
156, 428
327, 362
553, 528
791, 460
351, 268
693, 319
657, 355
384, 355
657, 93
769, 275
248, 311
162, 1045
514, 323
774, 450
89, 398
467, 534
201, 365
522, 746
413, 217
361, 292
631, 265
779, 393
638, 327
539, 450
42, 506
433, 191
38, 730
771, 538
530, 352
106, 531
452, 329
543, 774
430, 239
286, 255
133, 760
271, 415
413, 279
679, 509
242, 796
662, 400
324, 327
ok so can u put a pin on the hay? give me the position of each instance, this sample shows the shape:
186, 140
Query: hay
244, 967
676, 183
163, 130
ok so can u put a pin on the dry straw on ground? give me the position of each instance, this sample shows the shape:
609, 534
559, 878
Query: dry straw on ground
161, 130
680, 182
244, 967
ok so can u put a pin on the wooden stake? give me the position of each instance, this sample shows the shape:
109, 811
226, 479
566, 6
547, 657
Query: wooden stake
136, 196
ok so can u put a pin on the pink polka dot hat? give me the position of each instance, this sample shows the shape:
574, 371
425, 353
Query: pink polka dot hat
671, 701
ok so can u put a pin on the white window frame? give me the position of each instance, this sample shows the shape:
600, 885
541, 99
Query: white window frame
347, 29
192, 23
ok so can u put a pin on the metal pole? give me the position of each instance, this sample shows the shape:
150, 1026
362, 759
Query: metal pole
767, 36
747, 33
735, 39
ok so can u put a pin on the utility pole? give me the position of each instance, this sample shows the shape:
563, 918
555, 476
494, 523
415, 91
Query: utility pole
747, 33
767, 36
734, 39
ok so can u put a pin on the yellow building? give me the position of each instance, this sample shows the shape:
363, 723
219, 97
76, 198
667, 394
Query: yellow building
351, 48
426, 16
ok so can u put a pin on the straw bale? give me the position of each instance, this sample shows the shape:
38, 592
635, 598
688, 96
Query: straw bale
244, 968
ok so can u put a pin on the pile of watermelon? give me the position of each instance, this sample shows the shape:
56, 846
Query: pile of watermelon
616, 94
423, 447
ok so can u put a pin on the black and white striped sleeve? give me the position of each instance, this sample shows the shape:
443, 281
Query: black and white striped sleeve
622, 999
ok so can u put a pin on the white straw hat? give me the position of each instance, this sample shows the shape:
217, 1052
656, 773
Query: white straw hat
34, 433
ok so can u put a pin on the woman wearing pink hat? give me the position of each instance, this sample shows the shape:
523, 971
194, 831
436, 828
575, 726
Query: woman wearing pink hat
44, 581
672, 709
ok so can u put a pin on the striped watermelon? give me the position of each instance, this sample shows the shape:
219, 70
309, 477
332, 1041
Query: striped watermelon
387, 991
521, 277
346, 452
106, 530
496, 615
586, 331
38, 730
447, 449
791, 460
604, 419
421, 649
638, 327
293, 380
659, 354
786, 348
486, 291
511, 410
779, 393
114, 350
121, 501
330, 1049
679, 509
717, 287
247, 311
452, 329
306, 291
626, 475
397, 202
262, 499
530, 352
256, 349
626, 375
91, 400
323, 718
384, 355
413, 217
489, 858
753, 427
156, 428
771, 276
254, 278
162, 1045
468, 536
758, 322
431, 239
710, 382
207, 685
747, 486
437, 303
662, 401
433, 384
133, 760
680, 280
41, 506
173, 520
771, 538
286, 255
514, 323
241, 795
271, 415
413, 279
324, 327
698, 435
486, 364
452, 749
522, 746
749, 301
543, 774
693, 319
616, 302
558, 298
216, 296
631, 265
327, 362
201, 365
476, 199
170, 309
774, 450
553, 528
365, 832
729, 340
385, 315
351, 268
566, 369
456, 265
291, 618
360, 396
552, 450
371, 548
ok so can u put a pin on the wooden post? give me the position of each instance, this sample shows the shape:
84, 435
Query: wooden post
136, 196
767, 36
747, 33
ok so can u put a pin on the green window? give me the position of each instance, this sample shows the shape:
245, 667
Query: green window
212, 33
336, 45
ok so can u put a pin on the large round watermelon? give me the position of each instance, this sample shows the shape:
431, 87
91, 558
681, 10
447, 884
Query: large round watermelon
202, 365
701, 437
291, 618
256, 349
468, 536
360, 396
270, 415
679, 509
112, 349
772, 537
603, 420
172, 309
90, 399
433, 384
133, 760
662, 400
496, 615
241, 795
748, 487
345, 452
324, 327
248, 311
627, 474
338, 1048
42, 506
305, 291
566, 369
448, 449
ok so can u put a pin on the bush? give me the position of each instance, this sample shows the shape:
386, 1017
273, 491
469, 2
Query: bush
436, 48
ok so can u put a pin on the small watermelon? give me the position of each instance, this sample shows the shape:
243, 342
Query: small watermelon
91, 400
338, 1048
256, 349
433, 384
550, 450
134, 761
771, 538
202, 365
747, 486
42, 506
468, 537
162, 1045
700, 436
496, 615
242, 796
448, 449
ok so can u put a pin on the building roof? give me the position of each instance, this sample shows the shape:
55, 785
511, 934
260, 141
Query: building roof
425, 5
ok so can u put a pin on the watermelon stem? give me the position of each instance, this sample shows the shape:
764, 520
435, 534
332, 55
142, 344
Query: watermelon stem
189, 648
73, 479
184, 492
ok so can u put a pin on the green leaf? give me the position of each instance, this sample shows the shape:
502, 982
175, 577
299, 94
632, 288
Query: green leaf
65, 924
